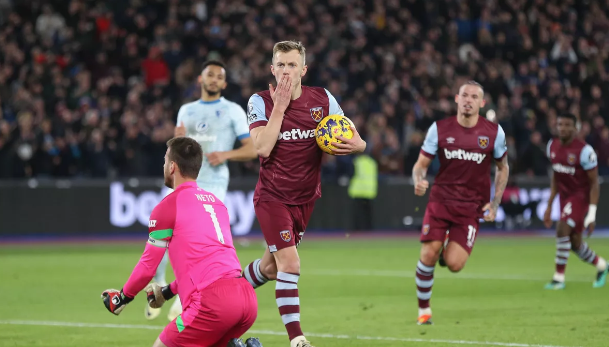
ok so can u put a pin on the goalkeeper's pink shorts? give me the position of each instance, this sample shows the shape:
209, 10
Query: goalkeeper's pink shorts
223, 311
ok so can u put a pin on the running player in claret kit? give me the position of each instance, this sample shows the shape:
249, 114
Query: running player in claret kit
215, 123
282, 124
193, 225
575, 179
466, 145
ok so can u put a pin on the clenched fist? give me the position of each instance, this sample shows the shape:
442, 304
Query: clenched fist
421, 187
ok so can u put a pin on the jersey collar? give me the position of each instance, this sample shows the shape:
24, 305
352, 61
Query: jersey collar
210, 102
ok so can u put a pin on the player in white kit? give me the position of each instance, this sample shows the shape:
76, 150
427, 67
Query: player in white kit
215, 123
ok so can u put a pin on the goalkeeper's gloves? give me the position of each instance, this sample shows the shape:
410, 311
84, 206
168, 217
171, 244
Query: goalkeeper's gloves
157, 295
115, 300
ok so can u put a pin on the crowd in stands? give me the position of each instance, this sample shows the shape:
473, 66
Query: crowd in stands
92, 88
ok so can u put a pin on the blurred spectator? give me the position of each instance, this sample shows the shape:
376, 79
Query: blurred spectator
414, 148
513, 208
603, 152
92, 88
154, 68
534, 160
49, 24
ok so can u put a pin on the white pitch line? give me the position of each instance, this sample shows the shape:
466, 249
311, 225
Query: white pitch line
277, 333
410, 274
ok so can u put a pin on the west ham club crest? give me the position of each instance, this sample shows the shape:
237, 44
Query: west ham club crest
317, 113
425, 229
286, 235
571, 159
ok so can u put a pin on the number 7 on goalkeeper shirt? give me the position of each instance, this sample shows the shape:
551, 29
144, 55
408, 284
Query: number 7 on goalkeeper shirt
193, 224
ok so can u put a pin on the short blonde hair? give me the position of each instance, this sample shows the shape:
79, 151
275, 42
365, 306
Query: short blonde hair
288, 46
472, 83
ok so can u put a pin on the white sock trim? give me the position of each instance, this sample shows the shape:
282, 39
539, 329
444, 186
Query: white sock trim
601, 265
559, 277
287, 277
423, 311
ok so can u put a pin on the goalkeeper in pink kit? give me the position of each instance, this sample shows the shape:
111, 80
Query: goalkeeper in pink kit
219, 304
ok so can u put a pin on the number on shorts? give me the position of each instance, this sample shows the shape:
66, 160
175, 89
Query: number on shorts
567, 209
471, 235
214, 219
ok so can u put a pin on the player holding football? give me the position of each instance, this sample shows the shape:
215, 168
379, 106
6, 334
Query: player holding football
575, 179
215, 123
466, 145
193, 225
282, 123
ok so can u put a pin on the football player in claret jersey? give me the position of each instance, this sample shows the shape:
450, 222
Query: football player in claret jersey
575, 180
282, 124
467, 145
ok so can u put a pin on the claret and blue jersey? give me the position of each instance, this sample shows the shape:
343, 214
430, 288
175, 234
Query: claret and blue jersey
466, 156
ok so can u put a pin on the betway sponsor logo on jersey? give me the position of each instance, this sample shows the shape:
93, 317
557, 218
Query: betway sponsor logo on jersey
296, 134
463, 155
570, 170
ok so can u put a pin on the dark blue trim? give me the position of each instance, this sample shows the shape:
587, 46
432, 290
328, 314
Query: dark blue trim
244, 136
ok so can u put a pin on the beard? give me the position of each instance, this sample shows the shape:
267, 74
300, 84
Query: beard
168, 181
468, 113
566, 137
212, 93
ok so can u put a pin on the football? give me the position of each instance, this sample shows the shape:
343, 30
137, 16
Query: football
329, 128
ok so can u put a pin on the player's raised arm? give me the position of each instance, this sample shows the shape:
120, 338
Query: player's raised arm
501, 174
588, 162
428, 152
265, 137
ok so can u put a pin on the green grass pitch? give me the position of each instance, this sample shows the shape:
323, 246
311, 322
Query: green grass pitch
353, 293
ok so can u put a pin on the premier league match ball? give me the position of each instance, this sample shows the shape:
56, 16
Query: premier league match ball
329, 128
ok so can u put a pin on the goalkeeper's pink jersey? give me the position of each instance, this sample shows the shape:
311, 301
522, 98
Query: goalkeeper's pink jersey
194, 225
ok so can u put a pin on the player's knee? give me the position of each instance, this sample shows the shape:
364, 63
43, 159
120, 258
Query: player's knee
158, 343
287, 260
292, 266
429, 255
269, 271
563, 229
575, 244
455, 265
